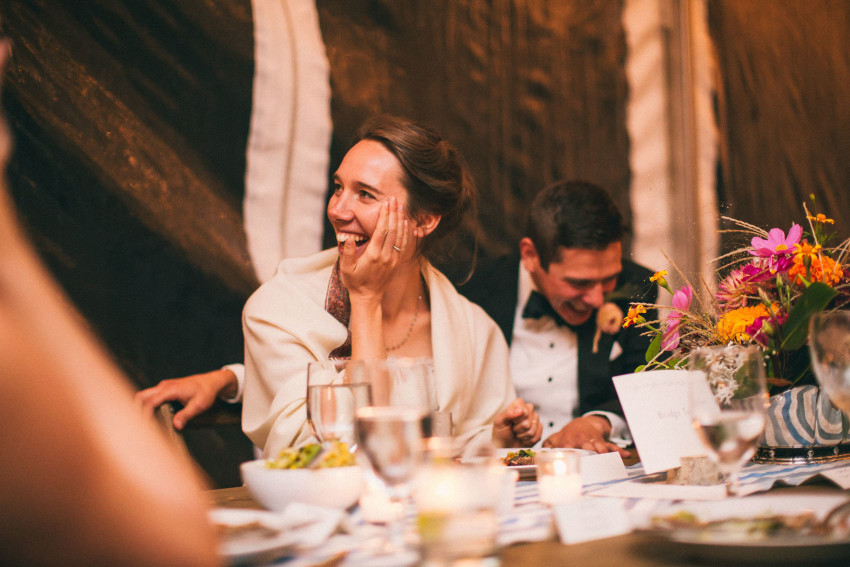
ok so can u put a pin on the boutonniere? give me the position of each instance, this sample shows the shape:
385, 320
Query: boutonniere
608, 319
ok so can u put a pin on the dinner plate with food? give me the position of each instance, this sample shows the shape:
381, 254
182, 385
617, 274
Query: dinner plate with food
523, 460
792, 527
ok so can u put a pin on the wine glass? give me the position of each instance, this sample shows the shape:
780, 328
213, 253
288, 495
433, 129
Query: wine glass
391, 431
728, 405
332, 402
829, 345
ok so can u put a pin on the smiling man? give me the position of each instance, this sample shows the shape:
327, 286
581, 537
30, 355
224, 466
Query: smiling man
546, 298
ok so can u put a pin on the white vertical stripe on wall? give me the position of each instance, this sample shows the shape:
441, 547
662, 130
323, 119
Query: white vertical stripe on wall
672, 136
289, 141
705, 119
648, 125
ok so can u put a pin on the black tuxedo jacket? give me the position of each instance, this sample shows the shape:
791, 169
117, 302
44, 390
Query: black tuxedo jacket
494, 285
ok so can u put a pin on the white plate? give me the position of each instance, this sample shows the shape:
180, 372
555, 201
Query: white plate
742, 545
527, 472
252, 546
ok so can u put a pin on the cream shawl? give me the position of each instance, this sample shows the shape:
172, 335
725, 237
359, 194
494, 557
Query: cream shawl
286, 326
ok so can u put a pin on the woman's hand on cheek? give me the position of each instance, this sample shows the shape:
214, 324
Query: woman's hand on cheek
368, 274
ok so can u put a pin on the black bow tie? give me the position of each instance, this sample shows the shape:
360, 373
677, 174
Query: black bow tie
538, 306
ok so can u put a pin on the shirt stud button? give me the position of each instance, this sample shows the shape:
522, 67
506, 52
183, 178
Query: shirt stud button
550, 378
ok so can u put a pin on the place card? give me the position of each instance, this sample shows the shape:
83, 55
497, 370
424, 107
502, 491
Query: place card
602, 468
655, 404
589, 519
840, 476
660, 490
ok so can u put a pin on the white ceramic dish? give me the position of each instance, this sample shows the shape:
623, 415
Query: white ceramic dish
252, 546
333, 487
740, 545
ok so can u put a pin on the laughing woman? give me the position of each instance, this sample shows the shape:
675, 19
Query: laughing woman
399, 192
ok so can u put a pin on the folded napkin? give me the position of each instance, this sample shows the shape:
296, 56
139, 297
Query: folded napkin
317, 523
259, 536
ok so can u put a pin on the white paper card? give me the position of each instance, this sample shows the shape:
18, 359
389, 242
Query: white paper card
591, 518
656, 404
840, 476
660, 490
602, 468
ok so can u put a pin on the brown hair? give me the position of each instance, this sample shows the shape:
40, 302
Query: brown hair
435, 175
573, 214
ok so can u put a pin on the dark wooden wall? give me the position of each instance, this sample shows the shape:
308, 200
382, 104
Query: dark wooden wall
130, 121
531, 92
784, 87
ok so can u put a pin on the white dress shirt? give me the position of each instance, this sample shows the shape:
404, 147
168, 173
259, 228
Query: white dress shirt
544, 367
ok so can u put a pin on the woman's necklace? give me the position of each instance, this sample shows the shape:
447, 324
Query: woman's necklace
410, 329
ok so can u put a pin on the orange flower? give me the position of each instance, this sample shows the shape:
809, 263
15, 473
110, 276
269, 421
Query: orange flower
733, 325
821, 218
810, 262
634, 315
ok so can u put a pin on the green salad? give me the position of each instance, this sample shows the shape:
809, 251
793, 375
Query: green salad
337, 455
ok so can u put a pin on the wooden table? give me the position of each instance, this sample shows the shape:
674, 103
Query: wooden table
632, 550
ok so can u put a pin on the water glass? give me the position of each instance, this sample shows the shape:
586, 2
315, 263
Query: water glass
391, 431
332, 402
728, 404
829, 345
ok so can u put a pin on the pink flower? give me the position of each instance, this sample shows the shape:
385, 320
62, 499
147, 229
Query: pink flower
681, 303
735, 288
763, 329
777, 246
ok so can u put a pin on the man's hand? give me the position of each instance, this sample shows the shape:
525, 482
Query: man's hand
518, 425
197, 393
588, 432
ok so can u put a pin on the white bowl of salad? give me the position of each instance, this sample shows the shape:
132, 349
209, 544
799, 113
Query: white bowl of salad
334, 481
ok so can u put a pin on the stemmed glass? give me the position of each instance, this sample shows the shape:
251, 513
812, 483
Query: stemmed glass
391, 431
332, 402
728, 405
829, 345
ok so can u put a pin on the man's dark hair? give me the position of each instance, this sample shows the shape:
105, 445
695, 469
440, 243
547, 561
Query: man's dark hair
573, 214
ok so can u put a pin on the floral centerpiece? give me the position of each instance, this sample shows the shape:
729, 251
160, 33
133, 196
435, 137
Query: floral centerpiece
767, 293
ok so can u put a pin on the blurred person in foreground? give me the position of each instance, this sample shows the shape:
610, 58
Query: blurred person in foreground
84, 479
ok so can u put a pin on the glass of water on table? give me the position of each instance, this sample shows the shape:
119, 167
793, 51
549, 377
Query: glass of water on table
728, 404
332, 402
391, 431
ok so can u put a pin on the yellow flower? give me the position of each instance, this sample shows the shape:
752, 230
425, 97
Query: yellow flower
733, 325
803, 250
821, 218
659, 277
634, 315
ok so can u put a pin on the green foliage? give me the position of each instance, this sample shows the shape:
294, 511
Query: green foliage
796, 328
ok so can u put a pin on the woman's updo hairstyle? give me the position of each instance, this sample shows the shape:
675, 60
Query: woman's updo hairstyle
436, 176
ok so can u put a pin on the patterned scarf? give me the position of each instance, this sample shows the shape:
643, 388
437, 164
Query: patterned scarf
338, 305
